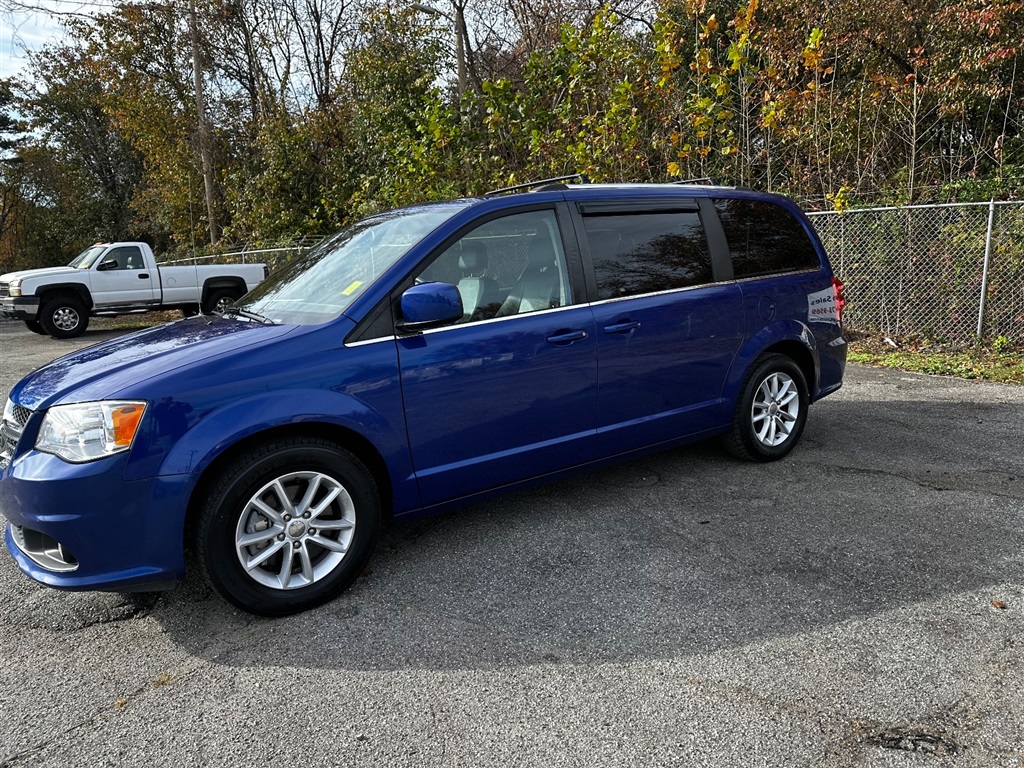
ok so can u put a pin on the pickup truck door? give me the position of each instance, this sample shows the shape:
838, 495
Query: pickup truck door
121, 277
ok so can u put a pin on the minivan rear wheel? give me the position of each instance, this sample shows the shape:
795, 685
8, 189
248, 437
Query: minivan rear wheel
771, 412
287, 525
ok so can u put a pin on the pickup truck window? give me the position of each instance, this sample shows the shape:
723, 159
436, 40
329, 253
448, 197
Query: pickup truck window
323, 284
126, 257
85, 259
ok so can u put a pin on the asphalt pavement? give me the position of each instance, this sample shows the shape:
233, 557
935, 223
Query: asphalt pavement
860, 603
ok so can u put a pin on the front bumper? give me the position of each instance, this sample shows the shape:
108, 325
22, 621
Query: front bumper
19, 307
120, 535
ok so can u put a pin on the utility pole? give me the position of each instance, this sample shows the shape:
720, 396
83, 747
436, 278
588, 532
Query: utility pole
460, 44
202, 129
459, 23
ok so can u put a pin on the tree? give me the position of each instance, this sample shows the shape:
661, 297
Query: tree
79, 151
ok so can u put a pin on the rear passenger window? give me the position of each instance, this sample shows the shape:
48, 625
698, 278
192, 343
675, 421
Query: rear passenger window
764, 238
647, 252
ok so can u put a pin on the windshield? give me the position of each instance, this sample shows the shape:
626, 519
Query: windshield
324, 283
86, 258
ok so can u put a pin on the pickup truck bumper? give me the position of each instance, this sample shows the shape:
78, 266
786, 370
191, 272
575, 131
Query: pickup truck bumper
68, 530
19, 307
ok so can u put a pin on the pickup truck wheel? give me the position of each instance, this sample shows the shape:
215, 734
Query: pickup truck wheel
771, 412
64, 317
287, 526
219, 300
35, 327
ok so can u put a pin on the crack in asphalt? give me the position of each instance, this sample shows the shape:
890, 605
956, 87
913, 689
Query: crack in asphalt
929, 483
42, 610
924, 739
134, 607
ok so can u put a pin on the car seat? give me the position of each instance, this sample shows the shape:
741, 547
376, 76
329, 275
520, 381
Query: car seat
539, 287
481, 296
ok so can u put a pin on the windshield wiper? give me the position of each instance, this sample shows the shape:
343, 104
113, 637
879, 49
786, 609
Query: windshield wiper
247, 315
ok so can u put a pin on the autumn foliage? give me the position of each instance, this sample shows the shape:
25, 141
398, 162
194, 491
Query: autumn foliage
324, 110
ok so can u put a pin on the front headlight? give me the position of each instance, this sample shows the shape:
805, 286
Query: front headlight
89, 431
15, 287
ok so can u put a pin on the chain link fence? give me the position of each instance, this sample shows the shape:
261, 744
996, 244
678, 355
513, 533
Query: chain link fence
274, 255
950, 272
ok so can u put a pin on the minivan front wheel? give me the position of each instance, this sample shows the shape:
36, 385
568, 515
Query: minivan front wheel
771, 412
288, 525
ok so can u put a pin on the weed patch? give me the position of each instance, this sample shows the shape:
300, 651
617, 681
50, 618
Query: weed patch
999, 362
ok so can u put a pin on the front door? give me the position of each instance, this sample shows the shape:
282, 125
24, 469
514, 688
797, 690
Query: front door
120, 279
509, 392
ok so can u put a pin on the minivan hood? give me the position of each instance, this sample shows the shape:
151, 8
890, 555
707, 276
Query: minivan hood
101, 371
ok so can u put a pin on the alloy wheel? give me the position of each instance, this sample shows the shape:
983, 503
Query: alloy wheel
775, 409
295, 530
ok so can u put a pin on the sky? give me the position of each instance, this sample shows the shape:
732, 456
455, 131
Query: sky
22, 30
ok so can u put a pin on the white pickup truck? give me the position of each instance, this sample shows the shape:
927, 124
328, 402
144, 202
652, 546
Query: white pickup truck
118, 279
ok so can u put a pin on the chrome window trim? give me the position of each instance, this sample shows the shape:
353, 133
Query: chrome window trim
808, 271
365, 342
502, 319
430, 331
702, 285
598, 303
658, 293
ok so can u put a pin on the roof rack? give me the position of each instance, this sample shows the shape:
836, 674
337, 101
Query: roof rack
698, 180
542, 184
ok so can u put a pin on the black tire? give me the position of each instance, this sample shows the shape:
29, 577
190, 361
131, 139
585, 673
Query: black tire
64, 317
35, 327
220, 297
226, 514
753, 436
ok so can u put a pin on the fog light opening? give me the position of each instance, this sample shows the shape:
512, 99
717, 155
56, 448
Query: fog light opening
43, 550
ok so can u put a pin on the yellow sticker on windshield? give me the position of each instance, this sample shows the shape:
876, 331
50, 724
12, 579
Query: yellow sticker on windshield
352, 288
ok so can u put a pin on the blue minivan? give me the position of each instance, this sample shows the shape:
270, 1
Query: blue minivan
423, 358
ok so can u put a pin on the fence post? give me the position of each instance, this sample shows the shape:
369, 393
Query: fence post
984, 270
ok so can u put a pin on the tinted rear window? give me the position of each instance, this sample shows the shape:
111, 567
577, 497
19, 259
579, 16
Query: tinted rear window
638, 253
764, 238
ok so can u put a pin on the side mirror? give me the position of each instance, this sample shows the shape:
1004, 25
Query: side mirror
106, 264
428, 305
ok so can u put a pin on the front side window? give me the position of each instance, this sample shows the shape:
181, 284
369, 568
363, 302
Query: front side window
507, 266
126, 257
764, 238
322, 285
637, 253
